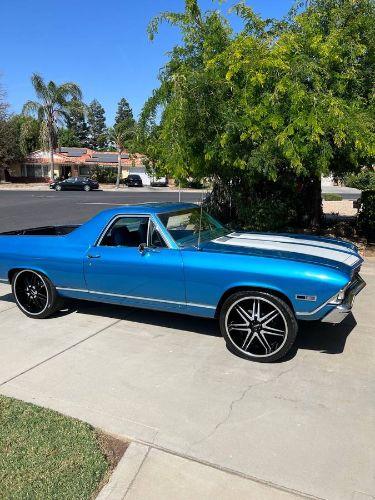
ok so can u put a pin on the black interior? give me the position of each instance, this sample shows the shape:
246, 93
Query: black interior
122, 236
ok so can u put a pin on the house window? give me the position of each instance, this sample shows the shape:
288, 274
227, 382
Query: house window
35, 170
84, 171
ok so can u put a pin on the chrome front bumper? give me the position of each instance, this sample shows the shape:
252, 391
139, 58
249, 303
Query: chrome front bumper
340, 312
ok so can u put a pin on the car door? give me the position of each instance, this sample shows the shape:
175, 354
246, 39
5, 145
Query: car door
68, 184
132, 264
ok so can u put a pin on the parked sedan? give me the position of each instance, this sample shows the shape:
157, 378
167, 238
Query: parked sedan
161, 182
133, 180
75, 184
176, 257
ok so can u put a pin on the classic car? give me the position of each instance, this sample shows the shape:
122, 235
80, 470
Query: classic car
74, 184
176, 257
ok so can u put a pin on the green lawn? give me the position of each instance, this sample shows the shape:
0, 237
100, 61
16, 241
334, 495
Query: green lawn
45, 455
331, 197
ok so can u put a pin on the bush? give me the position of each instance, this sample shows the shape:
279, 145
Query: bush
262, 206
104, 175
363, 180
268, 214
332, 197
189, 183
366, 217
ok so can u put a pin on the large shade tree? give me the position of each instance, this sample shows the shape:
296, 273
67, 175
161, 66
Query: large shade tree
265, 111
51, 109
97, 131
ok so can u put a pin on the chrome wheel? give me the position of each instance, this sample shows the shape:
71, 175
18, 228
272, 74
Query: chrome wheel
87, 188
256, 326
31, 292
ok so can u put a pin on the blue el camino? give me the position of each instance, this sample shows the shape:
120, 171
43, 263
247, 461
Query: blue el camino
176, 257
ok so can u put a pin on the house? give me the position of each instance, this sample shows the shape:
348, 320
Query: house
77, 162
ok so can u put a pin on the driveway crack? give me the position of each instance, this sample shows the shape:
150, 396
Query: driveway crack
235, 402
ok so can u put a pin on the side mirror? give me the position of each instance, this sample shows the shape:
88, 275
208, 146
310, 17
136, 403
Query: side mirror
142, 247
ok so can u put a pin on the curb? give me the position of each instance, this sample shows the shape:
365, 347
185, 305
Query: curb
125, 473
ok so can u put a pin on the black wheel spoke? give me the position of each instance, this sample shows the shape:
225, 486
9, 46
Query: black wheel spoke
256, 326
31, 292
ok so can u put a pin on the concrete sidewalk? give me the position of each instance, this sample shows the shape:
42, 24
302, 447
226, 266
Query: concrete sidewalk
148, 472
206, 424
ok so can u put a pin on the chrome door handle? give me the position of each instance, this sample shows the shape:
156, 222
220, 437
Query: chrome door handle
89, 256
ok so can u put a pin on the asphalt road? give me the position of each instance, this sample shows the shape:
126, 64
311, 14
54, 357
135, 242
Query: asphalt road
24, 209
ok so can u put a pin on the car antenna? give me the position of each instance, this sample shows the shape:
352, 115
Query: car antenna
200, 225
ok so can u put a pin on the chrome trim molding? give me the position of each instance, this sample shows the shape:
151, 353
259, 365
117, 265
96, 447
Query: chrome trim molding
308, 298
317, 309
133, 297
337, 314
339, 310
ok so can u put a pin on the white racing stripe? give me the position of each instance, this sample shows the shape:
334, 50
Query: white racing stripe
290, 239
292, 245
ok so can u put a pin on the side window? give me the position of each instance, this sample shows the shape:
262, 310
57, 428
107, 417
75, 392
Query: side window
155, 237
126, 232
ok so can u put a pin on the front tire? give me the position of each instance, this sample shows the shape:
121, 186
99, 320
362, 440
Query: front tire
35, 294
86, 188
58, 188
258, 326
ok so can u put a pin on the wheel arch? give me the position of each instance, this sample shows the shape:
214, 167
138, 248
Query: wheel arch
251, 288
14, 270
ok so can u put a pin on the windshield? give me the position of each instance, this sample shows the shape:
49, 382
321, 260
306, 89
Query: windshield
184, 226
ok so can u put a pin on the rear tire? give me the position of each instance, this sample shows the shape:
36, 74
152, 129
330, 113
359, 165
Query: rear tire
35, 294
258, 326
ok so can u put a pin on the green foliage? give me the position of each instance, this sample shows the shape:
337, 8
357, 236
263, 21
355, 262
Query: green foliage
292, 97
124, 114
76, 125
51, 109
45, 455
19, 135
363, 180
105, 175
52, 106
332, 197
366, 216
97, 132
67, 137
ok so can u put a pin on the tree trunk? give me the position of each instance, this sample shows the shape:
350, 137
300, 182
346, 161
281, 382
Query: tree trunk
52, 162
316, 202
311, 203
119, 170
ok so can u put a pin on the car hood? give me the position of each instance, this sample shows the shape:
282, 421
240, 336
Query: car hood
302, 248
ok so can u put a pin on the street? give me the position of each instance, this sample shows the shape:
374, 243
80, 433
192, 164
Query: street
23, 209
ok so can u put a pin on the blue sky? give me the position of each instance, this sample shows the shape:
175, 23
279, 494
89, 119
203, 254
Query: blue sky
100, 44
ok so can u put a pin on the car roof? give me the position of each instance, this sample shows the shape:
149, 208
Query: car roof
150, 208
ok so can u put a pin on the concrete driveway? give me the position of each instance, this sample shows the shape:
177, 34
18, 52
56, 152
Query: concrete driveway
207, 420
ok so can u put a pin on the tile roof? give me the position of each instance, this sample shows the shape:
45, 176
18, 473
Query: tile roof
87, 156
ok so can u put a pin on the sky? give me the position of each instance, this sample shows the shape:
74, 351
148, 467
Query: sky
100, 44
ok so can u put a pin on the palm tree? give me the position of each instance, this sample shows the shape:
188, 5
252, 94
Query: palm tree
121, 135
51, 108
